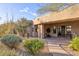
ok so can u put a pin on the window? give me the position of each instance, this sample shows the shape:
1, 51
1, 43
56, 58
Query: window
36, 27
68, 28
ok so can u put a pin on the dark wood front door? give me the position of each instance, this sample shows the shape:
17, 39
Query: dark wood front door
62, 30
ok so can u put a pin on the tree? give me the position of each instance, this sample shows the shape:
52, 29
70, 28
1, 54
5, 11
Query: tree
18, 27
21, 26
53, 7
6, 28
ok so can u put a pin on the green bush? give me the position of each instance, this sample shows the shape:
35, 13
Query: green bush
11, 40
33, 45
74, 44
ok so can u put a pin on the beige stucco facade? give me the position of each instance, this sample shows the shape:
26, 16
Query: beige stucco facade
58, 22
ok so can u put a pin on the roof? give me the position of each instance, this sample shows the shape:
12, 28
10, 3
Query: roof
68, 13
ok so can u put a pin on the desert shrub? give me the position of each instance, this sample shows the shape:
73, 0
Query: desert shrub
33, 46
74, 44
11, 40
7, 52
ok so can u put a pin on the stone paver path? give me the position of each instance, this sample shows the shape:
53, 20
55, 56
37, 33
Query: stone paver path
54, 46
56, 50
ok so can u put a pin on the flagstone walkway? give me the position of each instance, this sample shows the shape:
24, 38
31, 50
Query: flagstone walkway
54, 46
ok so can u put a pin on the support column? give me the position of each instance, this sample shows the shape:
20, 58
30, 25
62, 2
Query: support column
41, 31
35, 33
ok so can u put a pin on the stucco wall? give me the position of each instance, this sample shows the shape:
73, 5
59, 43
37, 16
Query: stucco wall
41, 31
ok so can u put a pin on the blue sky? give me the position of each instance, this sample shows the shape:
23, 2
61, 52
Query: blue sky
18, 10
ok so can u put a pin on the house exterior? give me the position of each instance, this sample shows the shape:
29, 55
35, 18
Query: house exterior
63, 23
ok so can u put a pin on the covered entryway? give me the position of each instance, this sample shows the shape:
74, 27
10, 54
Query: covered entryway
57, 29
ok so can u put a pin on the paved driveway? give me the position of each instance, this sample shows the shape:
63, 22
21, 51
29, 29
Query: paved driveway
54, 46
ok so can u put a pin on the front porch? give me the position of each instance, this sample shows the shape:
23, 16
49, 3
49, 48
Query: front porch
58, 29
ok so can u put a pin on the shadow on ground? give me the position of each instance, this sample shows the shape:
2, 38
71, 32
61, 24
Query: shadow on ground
60, 54
54, 54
